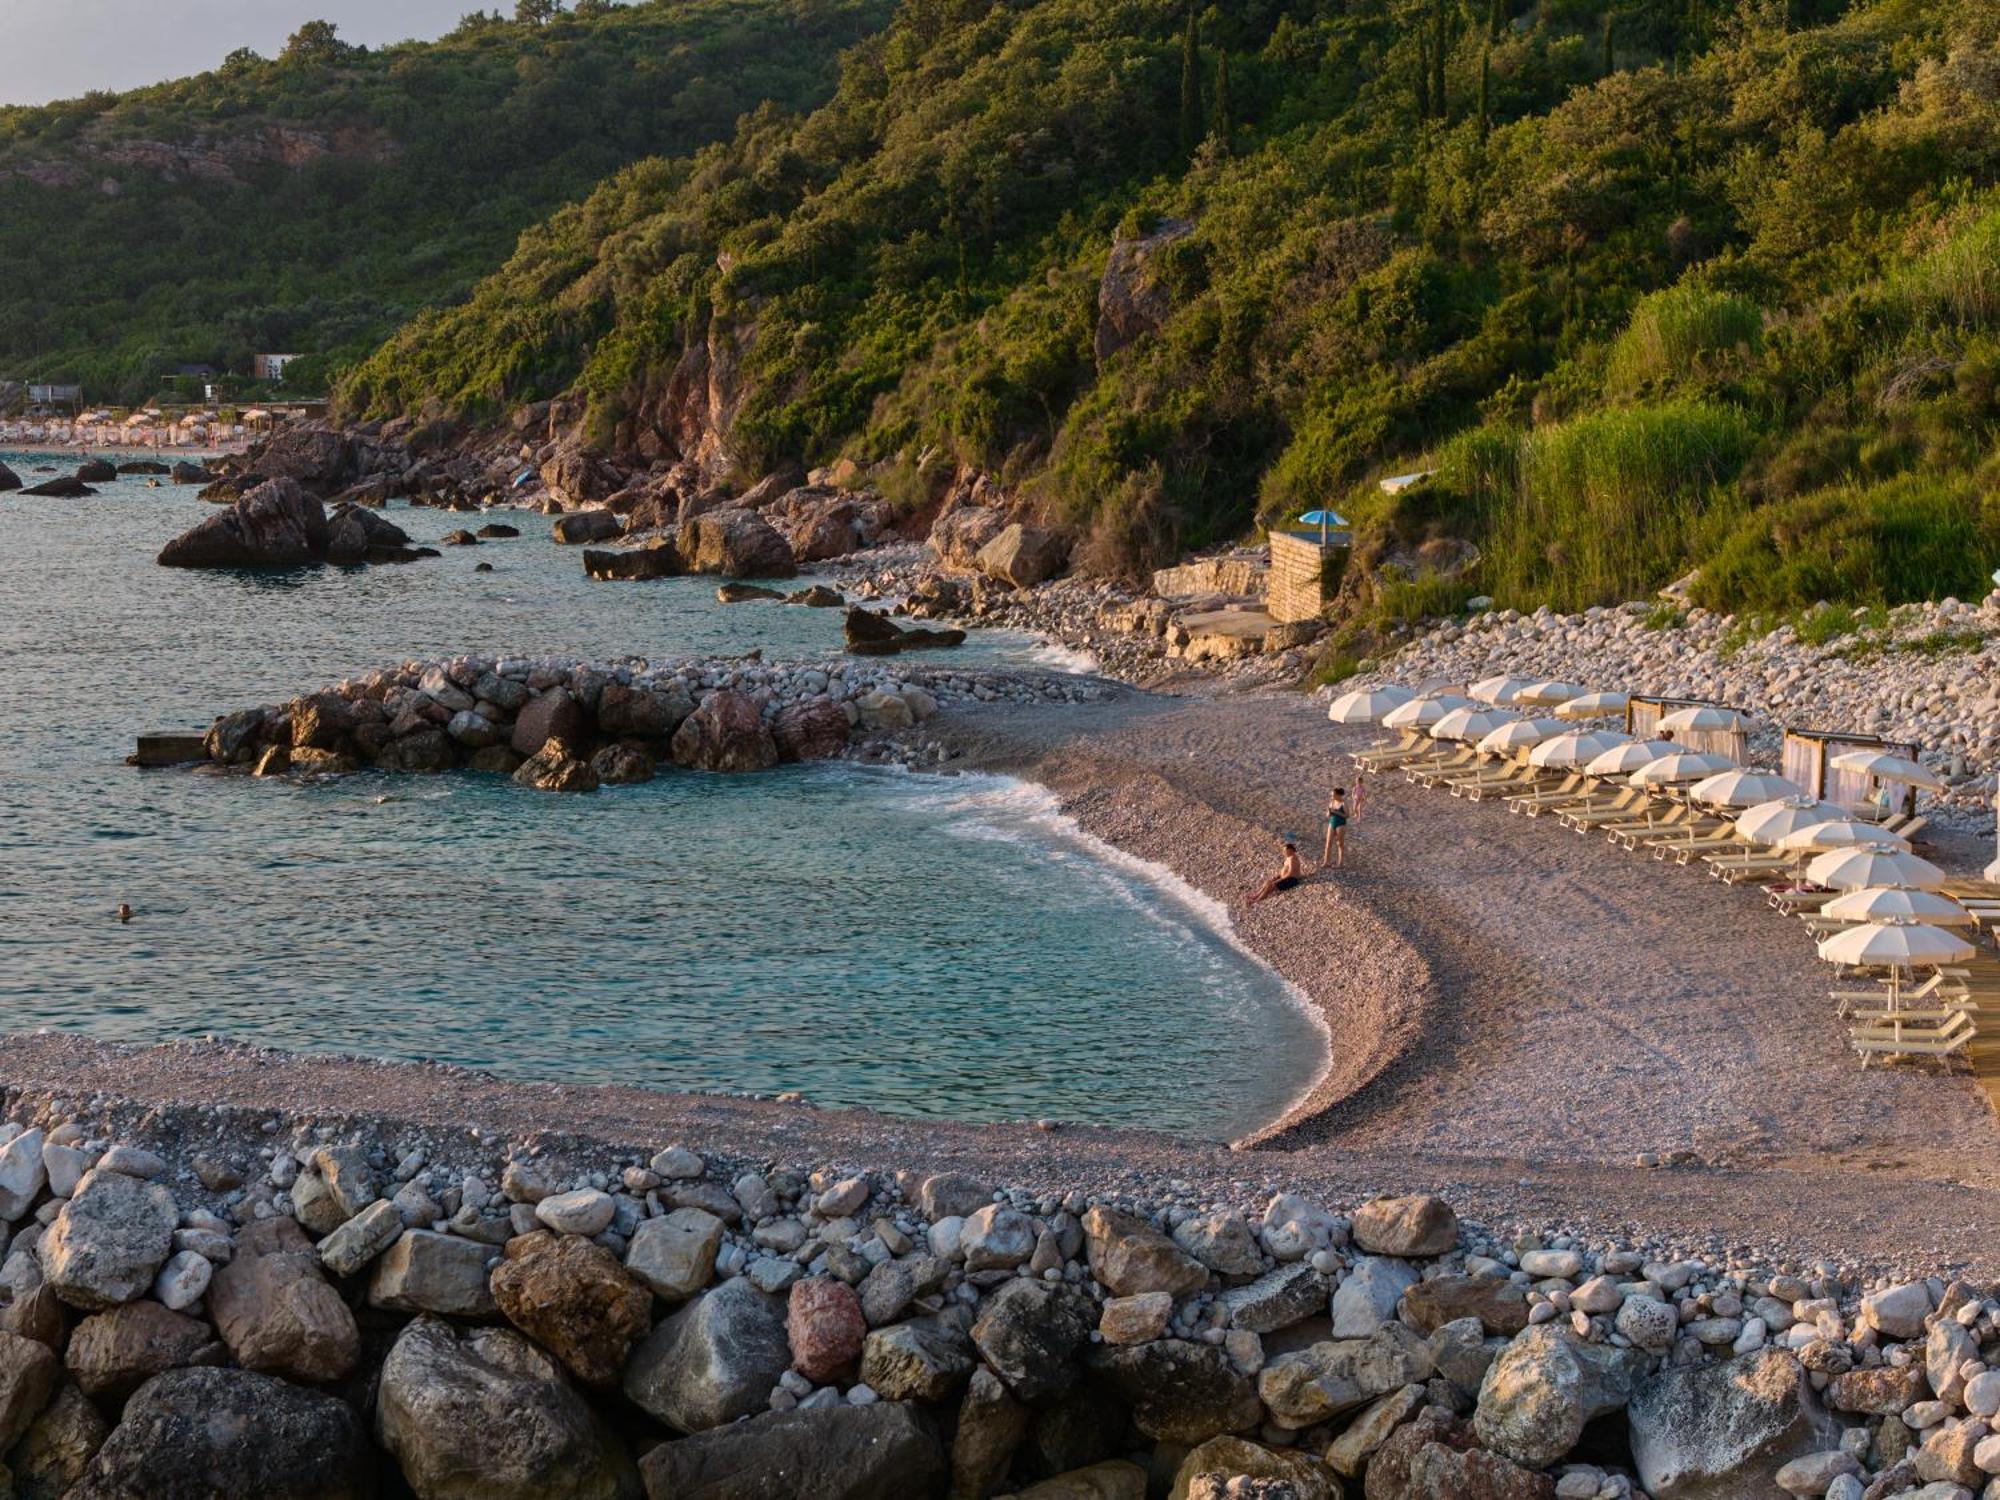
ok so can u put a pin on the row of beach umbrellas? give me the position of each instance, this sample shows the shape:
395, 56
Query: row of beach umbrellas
1891, 894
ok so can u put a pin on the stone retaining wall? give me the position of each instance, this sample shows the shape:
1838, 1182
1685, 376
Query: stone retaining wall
291, 1309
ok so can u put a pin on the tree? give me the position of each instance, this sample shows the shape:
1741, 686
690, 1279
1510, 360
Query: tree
1610, 53
1191, 110
239, 62
1485, 87
1220, 130
537, 12
316, 42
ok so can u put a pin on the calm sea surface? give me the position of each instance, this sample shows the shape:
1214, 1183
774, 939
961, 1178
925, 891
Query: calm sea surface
926, 945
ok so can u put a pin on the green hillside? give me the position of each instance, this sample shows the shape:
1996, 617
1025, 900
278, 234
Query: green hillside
313, 202
1646, 285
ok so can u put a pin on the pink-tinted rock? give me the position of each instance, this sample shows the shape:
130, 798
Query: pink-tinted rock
813, 730
826, 1328
727, 733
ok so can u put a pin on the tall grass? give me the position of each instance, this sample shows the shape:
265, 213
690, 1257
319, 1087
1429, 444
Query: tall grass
1683, 332
1917, 536
1956, 285
1608, 506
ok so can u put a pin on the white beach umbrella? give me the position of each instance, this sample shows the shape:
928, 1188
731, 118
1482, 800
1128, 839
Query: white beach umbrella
1861, 869
1739, 788
1499, 691
1898, 945
1886, 767
1594, 706
1842, 833
1681, 766
1469, 724
1421, 713
1770, 821
1551, 692
1521, 735
1368, 705
1888, 904
1682, 720
1623, 760
1577, 748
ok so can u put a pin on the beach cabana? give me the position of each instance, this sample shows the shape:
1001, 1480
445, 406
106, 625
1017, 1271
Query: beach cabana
1808, 756
1722, 731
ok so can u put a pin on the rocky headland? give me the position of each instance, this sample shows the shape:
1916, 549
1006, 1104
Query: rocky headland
382, 1306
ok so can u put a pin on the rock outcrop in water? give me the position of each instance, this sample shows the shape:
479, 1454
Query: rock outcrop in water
186, 1292
282, 524
570, 726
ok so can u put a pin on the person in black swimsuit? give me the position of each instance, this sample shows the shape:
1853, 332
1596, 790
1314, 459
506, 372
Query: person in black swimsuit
1290, 873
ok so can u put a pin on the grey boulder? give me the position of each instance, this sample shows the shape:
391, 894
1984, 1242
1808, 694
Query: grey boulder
832, 1453
109, 1241
1725, 1430
713, 1361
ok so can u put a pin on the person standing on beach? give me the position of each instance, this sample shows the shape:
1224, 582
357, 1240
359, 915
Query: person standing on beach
1338, 813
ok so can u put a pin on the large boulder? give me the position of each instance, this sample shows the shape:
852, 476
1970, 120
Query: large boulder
1232, 1457
9, 480
1545, 1386
1130, 1256
1724, 1430
587, 526
656, 560
727, 733
64, 487
553, 715
97, 471
1500, 1305
109, 1241
58, 1447
644, 713
554, 769
28, 1376
425, 1272
184, 472
1367, 1297
957, 535
735, 543
814, 729
114, 1352
830, 1453
574, 477
674, 1254
712, 1362
317, 458
1325, 1380
1029, 1332
870, 633
357, 534
1416, 1227
991, 1424
277, 1311
1023, 556
212, 1434
1436, 1457
825, 1326
924, 1359
485, 1415
1278, 1299
278, 524
573, 1297
1179, 1392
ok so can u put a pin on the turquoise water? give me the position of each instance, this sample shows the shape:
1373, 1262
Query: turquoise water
926, 945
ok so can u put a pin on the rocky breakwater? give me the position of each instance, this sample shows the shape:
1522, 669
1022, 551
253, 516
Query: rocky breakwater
280, 523
1920, 672
325, 1314
571, 726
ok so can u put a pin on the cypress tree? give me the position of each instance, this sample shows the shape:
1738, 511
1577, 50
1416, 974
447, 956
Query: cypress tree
1485, 86
1610, 56
1220, 128
1438, 22
1191, 110
1494, 20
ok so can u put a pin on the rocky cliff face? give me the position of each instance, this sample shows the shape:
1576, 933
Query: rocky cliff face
223, 157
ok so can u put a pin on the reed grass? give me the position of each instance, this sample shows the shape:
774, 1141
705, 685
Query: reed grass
1684, 332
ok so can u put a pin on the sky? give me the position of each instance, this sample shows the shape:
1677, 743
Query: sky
57, 49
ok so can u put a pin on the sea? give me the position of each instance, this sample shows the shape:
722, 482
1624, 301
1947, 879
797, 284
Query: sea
923, 944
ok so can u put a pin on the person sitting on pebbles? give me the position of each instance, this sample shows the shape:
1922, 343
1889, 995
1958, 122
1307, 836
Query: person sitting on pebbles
1290, 873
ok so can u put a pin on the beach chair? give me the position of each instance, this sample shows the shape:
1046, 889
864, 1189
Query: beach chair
1696, 827
1659, 814
1936, 987
1942, 1042
1696, 845
1499, 773
1533, 802
1595, 810
1526, 782
1731, 867
1388, 752
1793, 900
1430, 772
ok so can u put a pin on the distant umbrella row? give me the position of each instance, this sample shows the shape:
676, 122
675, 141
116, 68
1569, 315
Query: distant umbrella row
1874, 904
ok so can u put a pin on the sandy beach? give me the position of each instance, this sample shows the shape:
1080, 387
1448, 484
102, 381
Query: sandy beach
1515, 1011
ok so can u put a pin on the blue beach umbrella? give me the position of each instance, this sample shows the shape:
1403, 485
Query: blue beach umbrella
1322, 519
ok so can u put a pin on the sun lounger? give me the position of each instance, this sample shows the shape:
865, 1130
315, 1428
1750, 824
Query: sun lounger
1682, 850
1389, 752
1793, 900
1599, 810
1890, 1041
1431, 772
1689, 830
1532, 802
1531, 780
1659, 816
1929, 1015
